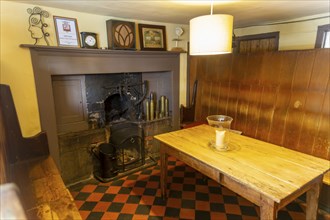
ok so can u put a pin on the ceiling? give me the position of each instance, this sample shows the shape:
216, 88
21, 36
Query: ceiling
246, 13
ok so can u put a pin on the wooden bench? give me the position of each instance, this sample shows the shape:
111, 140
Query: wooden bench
27, 163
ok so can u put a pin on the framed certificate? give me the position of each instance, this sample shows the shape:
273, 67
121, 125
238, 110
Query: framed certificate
67, 32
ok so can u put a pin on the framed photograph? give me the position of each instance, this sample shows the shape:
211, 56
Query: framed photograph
67, 32
152, 37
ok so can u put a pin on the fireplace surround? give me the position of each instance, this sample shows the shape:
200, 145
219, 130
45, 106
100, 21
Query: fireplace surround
51, 61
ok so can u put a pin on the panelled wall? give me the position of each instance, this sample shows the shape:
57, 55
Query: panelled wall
279, 97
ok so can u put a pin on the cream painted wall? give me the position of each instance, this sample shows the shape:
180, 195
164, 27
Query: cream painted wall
293, 36
16, 67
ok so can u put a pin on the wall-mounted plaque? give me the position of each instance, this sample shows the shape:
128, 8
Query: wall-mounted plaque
121, 35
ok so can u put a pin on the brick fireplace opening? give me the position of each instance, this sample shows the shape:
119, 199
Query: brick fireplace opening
69, 148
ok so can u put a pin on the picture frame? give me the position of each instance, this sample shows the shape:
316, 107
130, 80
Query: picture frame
67, 32
152, 37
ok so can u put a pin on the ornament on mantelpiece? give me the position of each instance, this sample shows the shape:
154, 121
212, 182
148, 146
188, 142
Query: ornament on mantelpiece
37, 25
178, 32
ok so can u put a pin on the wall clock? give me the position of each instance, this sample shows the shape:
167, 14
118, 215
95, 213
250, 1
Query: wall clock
121, 35
88, 40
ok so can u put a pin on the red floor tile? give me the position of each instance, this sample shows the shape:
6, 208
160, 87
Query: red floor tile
147, 200
95, 197
84, 214
232, 209
202, 205
187, 213
129, 208
109, 216
140, 217
88, 188
101, 206
121, 198
157, 210
113, 189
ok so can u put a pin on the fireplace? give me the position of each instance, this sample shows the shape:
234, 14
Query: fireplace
113, 97
56, 61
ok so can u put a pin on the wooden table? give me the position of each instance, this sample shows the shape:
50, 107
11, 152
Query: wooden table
268, 175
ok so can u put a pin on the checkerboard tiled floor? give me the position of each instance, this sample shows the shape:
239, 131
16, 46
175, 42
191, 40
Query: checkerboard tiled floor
191, 196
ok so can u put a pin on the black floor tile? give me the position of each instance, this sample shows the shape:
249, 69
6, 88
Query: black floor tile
217, 207
125, 190
143, 209
108, 197
95, 215
101, 189
230, 199
134, 199
123, 216
202, 196
172, 212
115, 207
202, 215
150, 192
188, 204
82, 196
88, 206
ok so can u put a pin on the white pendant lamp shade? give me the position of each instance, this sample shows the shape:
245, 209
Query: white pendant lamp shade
211, 34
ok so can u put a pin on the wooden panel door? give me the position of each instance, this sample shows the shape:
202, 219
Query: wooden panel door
70, 103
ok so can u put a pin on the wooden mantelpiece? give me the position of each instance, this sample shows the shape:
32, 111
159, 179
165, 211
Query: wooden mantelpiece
48, 61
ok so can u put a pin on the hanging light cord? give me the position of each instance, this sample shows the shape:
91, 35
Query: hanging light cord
211, 7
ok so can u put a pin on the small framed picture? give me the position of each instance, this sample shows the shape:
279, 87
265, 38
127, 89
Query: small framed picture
152, 37
67, 32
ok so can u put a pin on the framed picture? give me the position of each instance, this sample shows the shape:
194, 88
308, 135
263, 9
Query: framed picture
67, 32
152, 37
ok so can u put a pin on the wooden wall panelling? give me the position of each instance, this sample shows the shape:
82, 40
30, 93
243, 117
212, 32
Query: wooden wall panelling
237, 74
270, 68
213, 72
214, 68
223, 98
253, 71
321, 147
206, 87
192, 76
266, 111
240, 64
282, 102
232, 102
242, 106
295, 114
253, 111
280, 97
275, 68
248, 103
200, 71
314, 101
225, 68
215, 93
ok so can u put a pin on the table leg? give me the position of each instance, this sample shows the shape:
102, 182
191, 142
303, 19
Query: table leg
313, 201
268, 209
163, 171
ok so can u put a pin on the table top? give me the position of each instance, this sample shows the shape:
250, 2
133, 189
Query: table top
267, 168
